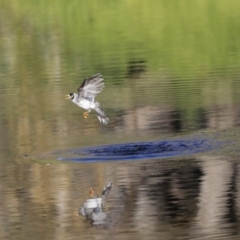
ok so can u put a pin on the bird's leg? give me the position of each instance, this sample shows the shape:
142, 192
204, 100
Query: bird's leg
91, 192
85, 114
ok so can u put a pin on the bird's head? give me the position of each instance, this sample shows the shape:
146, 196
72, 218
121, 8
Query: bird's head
70, 96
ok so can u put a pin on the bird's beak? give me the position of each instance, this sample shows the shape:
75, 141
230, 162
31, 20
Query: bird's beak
68, 96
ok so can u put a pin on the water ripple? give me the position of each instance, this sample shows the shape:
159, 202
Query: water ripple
139, 150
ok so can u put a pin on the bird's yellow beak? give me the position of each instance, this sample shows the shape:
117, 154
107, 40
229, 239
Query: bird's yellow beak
68, 96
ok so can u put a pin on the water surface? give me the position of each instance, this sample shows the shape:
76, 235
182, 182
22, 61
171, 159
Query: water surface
171, 72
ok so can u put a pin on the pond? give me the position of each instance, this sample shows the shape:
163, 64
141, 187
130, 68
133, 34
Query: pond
171, 149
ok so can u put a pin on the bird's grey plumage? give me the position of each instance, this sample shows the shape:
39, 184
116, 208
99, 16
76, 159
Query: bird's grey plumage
101, 114
87, 92
91, 87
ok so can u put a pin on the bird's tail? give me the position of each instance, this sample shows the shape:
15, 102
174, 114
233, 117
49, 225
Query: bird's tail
101, 114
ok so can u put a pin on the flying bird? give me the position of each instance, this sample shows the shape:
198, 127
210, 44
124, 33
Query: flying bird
85, 98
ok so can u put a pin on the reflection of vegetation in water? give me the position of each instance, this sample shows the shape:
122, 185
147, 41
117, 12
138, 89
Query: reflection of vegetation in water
183, 36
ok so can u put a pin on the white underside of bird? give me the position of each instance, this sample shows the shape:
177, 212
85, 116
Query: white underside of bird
84, 103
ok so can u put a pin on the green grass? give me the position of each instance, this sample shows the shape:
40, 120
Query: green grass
183, 36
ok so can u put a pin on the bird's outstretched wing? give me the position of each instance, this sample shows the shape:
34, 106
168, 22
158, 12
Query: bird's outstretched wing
91, 87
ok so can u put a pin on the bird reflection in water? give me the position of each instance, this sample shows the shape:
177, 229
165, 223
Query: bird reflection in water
92, 208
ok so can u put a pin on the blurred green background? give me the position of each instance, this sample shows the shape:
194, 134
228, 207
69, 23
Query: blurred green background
182, 36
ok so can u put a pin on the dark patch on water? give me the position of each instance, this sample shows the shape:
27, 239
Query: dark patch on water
139, 150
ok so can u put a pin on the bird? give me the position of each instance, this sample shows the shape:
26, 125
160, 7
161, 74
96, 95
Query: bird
85, 98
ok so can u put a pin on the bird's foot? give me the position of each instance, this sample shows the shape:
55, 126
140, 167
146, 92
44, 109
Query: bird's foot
91, 192
85, 114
